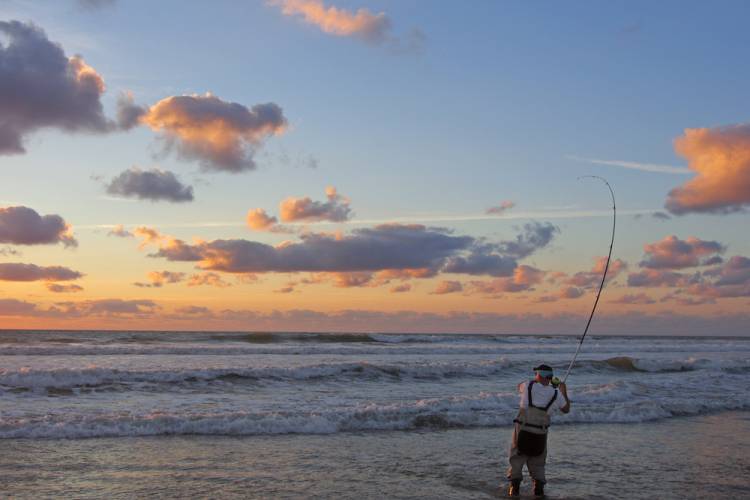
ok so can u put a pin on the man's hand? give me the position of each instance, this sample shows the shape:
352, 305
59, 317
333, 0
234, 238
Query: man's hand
564, 389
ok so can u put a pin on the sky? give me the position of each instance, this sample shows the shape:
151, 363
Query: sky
363, 165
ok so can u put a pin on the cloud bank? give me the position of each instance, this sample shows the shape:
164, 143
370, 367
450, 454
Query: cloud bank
393, 251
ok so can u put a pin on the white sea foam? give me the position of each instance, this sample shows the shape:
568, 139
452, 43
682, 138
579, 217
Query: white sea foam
89, 384
481, 410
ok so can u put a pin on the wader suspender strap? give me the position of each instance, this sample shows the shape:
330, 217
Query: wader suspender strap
546, 408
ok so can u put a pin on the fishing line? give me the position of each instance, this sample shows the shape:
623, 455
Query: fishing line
604, 275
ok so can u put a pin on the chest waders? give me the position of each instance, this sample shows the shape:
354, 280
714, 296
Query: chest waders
533, 423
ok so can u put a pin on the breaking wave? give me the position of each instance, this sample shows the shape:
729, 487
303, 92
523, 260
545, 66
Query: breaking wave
482, 410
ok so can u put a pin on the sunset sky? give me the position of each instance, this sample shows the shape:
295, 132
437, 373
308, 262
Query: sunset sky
364, 165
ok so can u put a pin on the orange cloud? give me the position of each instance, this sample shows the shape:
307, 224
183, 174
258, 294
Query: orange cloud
209, 279
259, 220
524, 278
336, 209
363, 24
448, 286
674, 253
585, 279
220, 135
721, 158
657, 278
157, 279
150, 236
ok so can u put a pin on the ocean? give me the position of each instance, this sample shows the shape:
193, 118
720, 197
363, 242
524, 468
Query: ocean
275, 415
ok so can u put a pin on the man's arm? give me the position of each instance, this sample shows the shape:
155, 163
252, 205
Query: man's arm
564, 391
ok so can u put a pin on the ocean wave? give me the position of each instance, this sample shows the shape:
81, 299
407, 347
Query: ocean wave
482, 410
92, 376
632, 364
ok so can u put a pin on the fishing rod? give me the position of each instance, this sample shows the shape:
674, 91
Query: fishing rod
604, 275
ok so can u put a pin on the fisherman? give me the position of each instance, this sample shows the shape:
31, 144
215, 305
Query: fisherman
529, 445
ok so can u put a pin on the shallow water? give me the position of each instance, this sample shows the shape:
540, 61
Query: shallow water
692, 457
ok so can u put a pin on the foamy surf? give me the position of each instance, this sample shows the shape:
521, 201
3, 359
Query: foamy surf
106, 384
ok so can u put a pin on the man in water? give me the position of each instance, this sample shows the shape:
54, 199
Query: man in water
529, 445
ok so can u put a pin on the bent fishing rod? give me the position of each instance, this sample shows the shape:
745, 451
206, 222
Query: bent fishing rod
604, 275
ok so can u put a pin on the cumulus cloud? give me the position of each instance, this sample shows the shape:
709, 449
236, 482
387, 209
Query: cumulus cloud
535, 235
41, 87
388, 246
152, 185
109, 308
501, 259
351, 279
731, 279
634, 299
207, 279
24, 226
404, 287
385, 252
194, 311
657, 278
448, 286
524, 278
570, 292
387, 275
12, 271
157, 279
369, 27
587, 279
674, 253
120, 232
129, 114
259, 220
500, 209
336, 209
57, 288
14, 307
220, 135
721, 159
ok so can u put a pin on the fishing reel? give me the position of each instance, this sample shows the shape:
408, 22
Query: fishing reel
555, 382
